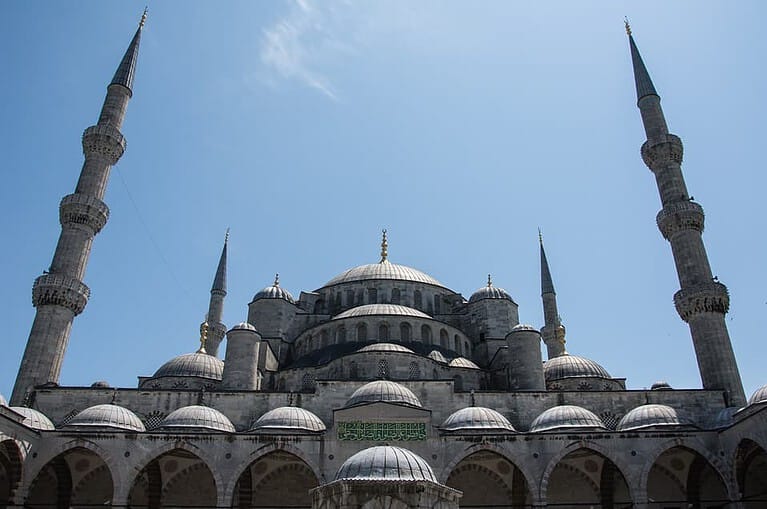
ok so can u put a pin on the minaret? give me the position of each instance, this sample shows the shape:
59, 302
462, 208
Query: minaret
553, 332
215, 328
60, 294
702, 301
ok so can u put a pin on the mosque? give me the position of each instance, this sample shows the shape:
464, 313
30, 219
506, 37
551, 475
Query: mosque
383, 389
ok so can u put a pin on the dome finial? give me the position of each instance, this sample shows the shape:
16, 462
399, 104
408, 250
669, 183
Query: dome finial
489, 281
627, 25
226, 236
540, 236
143, 17
384, 246
276, 280
203, 337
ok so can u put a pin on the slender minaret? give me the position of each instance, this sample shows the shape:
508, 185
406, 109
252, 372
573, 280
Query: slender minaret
215, 328
702, 301
553, 332
60, 294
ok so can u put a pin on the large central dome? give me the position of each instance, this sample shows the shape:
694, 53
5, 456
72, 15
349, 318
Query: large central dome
383, 270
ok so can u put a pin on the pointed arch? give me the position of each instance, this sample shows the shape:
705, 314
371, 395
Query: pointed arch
751, 474
11, 459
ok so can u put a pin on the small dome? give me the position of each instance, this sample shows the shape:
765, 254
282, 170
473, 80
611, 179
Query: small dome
383, 390
477, 418
723, 418
381, 309
385, 347
199, 418
107, 416
3, 401
100, 384
572, 366
274, 291
523, 326
566, 417
462, 362
436, 355
195, 364
649, 416
758, 396
383, 270
490, 292
244, 326
34, 419
288, 418
386, 462
660, 385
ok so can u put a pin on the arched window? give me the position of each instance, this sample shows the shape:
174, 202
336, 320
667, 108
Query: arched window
437, 306
417, 300
405, 333
443, 338
341, 335
466, 350
362, 332
353, 370
324, 339
395, 296
383, 332
426, 333
349, 298
457, 344
372, 296
383, 369
359, 297
318, 307
458, 382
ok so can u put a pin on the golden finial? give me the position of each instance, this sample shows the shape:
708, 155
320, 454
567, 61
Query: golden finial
628, 27
143, 17
489, 281
384, 247
276, 280
203, 336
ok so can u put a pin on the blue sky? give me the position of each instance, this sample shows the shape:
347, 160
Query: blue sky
306, 127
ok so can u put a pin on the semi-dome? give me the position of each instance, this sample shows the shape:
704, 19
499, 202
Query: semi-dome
381, 309
436, 355
244, 326
287, 419
383, 390
477, 418
274, 291
462, 362
758, 396
566, 417
107, 416
385, 347
490, 292
385, 462
572, 366
383, 270
650, 416
197, 417
195, 364
34, 419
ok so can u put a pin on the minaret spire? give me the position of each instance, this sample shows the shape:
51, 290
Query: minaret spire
384, 247
553, 330
213, 325
60, 294
702, 301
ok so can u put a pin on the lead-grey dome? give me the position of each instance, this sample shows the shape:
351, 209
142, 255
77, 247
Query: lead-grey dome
661, 385
385, 347
383, 270
566, 417
523, 327
388, 463
650, 416
107, 416
381, 309
383, 390
34, 419
197, 417
490, 292
436, 355
462, 362
274, 291
244, 326
758, 396
572, 366
477, 418
287, 419
3, 401
195, 364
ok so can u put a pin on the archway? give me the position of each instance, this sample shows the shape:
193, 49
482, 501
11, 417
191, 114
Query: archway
10, 471
277, 479
177, 478
75, 478
586, 478
751, 473
488, 480
682, 478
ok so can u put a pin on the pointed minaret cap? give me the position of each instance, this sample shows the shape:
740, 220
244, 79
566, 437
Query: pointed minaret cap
547, 284
642, 79
219, 283
127, 69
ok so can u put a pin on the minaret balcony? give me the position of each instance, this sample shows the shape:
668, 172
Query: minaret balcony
702, 298
60, 290
680, 216
81, 209
104, 141
658, 153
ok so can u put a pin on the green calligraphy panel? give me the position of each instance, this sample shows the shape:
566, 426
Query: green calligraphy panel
382, 431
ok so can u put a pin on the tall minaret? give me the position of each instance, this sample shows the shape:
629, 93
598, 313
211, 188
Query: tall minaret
60, 294
702, 301
553, 332
215, 328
